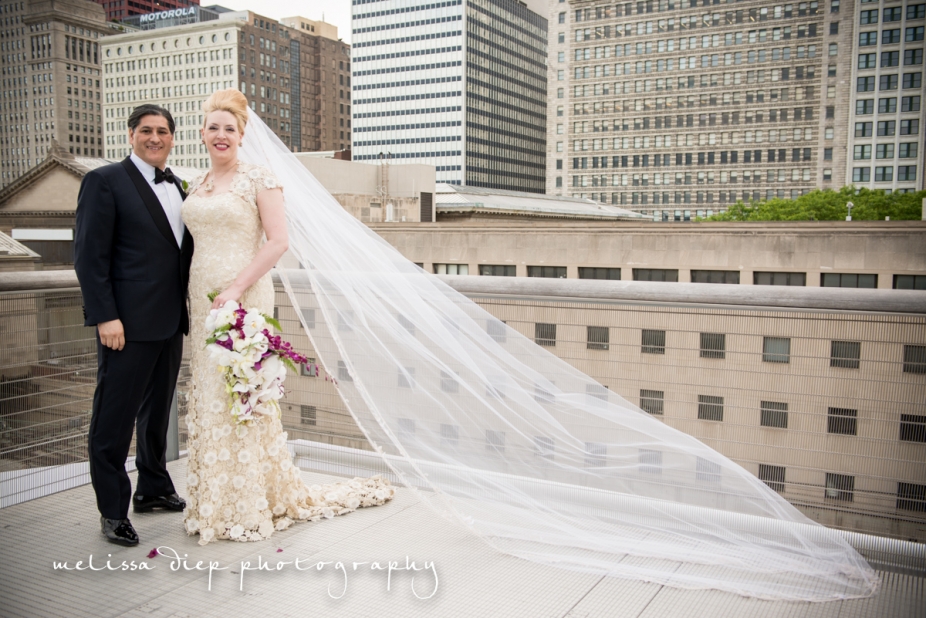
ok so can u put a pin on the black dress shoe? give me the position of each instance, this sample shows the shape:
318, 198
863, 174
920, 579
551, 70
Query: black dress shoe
119, 531
144, 504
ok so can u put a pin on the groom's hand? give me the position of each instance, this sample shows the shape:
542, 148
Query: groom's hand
112, 334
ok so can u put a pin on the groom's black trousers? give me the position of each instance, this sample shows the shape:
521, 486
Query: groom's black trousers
133, 384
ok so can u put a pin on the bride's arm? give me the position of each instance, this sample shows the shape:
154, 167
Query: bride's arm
273, 219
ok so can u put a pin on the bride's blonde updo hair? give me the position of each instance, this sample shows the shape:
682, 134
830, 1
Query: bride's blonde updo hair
230, 100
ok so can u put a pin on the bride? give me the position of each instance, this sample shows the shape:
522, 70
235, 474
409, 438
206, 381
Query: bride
242, 485
495, 433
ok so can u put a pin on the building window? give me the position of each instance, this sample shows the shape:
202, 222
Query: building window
599, 273
865, 106
713, 345
710, 408
887, 128
307, 415
598, 337
845, 354
497, 270
861, 174
715, 276
913, 57
910, 282
449, 435
911, 497
776, 350
906, 172
839, 487
914, 359
887, 106
448, 382
543, 447
650, 461
406, 377
884, 174
773, 278
888, 82
846, 280
550, 272
451, 269
773, 414
912, 80
912, 428
884, 151
863, 129
495, 441
406, 427
842, 421
773, 476
655, 274
545, 334
595, 454
707, 471
652, 402
907, 150
910, 104
309, 369
343, 373
654, 342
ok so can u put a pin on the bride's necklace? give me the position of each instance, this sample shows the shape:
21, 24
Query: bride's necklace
209, 187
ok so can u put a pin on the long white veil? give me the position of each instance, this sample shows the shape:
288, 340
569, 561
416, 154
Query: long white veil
535, 457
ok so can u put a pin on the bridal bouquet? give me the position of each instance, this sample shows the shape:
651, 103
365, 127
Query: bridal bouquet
252, 359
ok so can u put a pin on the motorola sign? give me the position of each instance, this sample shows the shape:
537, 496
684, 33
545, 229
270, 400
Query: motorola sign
172, 14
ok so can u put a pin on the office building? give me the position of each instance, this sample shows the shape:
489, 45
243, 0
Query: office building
289, 75
886, 110
680, 107
51, 81
458, 84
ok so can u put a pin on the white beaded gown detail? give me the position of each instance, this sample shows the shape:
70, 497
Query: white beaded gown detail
242, 485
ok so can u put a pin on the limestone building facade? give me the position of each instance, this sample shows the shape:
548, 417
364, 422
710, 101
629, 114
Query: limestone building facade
51, 82
680, 104
293, 78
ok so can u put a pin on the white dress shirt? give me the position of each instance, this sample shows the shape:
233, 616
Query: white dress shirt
168, 194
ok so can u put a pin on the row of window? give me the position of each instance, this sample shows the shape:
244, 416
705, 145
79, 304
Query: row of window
914, 11
889, 82
887, 105
844, 280
911, 57
890, 37
887, 128
911, 497
885, 173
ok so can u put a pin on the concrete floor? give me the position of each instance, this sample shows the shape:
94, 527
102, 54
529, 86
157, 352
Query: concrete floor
473, 579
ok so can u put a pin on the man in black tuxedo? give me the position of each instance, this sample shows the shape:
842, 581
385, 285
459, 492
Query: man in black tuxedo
132, 257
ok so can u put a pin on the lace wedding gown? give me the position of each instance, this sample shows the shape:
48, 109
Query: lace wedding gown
243, 485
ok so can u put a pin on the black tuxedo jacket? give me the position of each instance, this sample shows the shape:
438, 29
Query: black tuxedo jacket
126, 256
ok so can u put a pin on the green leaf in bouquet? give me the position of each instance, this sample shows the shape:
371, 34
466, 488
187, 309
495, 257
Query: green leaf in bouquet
212, 295
272, 322
289, 363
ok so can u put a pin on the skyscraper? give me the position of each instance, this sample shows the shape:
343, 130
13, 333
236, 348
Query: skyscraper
886, 110
682, 107
460, 84
289, 74
51, 81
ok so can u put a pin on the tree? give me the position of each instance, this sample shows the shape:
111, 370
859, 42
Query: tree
829, 205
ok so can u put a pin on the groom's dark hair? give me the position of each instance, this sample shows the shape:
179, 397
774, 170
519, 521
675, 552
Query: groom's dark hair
149, 109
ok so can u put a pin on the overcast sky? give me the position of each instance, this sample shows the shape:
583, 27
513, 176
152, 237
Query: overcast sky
335, 12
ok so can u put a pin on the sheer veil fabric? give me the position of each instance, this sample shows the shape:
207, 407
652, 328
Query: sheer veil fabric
530, 454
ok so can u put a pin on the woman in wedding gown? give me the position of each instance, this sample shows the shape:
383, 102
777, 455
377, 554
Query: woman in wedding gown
242, 483
494, 432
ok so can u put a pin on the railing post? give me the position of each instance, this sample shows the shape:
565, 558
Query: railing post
173, 431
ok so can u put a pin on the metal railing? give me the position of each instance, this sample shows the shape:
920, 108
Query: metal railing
48, 365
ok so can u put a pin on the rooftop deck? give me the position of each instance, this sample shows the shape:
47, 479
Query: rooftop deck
473, 579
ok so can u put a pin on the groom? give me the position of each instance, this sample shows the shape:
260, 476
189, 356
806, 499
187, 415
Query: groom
132, 257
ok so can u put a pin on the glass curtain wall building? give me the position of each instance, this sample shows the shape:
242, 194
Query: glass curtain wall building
458, 84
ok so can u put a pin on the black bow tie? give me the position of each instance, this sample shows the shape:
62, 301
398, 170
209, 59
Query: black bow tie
166, 174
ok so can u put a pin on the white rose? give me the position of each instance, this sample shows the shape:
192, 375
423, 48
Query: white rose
266, 528
236, 531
